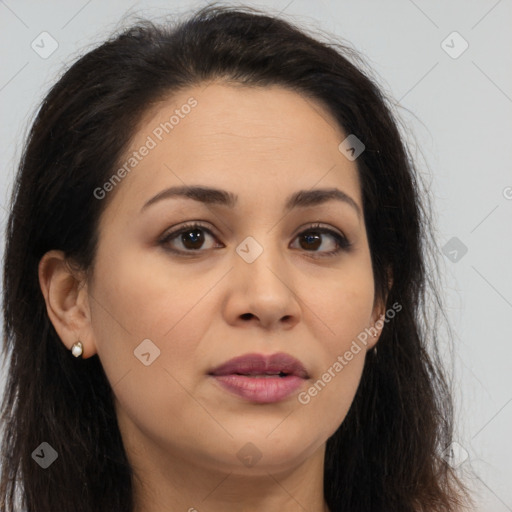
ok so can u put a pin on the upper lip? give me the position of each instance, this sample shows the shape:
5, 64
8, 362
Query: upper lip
258, 364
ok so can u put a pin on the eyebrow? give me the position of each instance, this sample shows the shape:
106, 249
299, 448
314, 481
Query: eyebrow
208, 195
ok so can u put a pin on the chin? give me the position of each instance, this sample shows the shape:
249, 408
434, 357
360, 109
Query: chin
262, 454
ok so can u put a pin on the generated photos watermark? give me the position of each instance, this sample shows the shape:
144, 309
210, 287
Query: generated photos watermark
304, 397
157, 135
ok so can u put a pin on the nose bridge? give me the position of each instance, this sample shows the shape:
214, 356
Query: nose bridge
263, 263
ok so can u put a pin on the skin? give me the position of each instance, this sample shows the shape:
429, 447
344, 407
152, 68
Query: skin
181, 430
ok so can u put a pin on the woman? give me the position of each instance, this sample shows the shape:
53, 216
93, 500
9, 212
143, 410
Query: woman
215, 285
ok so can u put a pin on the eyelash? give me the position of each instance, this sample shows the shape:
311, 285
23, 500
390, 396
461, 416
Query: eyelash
343, 242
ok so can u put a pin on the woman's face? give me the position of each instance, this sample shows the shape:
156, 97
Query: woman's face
167, 310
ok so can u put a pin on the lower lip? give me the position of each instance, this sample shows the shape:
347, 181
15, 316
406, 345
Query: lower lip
262, 390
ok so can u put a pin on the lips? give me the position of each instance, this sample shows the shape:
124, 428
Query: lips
255, 365
261, 379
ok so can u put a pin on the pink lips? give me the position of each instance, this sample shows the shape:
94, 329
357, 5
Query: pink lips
261, 379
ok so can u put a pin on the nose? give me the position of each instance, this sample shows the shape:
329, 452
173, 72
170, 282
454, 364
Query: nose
263, 287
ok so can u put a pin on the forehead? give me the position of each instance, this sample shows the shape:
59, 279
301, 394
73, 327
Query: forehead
266, 141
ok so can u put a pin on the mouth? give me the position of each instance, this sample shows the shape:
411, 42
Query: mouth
263, 375
259, 378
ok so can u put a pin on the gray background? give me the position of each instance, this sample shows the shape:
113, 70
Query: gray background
457, 112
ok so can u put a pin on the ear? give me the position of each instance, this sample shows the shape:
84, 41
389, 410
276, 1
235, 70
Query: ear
65, 293
379, 313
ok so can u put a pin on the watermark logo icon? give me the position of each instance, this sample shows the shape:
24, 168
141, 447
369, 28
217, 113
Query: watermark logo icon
454, 250
44, 45
147, 352
249, 455
351, 147
454, 45
249, 249
45, 455
454, 455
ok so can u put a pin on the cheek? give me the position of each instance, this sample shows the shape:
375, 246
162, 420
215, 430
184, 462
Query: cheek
329, 396
137, 298
143, 296
344, 305
328, 399
138, 309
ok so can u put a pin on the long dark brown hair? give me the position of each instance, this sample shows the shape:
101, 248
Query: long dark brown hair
386, 455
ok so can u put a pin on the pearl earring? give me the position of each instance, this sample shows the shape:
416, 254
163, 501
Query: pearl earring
77, 349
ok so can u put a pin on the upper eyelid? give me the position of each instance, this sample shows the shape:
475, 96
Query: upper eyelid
199, 225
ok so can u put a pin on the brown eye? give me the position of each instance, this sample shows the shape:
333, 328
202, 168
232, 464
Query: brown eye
190, 238
312, 239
